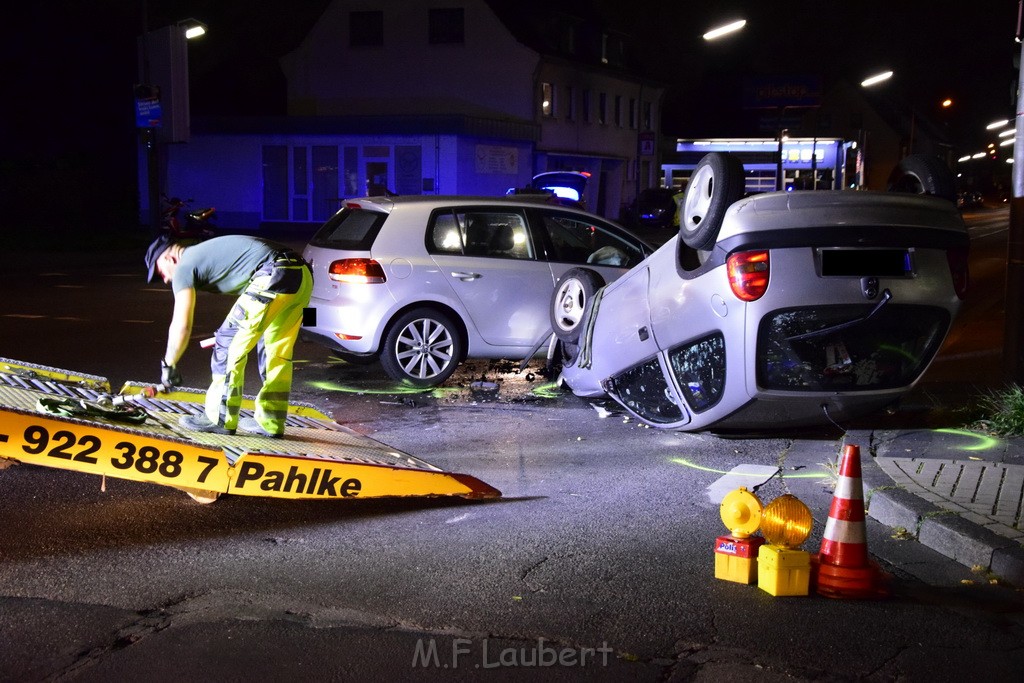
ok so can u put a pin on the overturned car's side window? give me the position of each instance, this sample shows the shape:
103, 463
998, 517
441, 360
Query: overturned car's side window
643, 390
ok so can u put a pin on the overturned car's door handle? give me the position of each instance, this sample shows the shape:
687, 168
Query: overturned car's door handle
464, 276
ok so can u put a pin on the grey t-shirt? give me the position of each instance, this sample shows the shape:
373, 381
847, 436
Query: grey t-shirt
223, 264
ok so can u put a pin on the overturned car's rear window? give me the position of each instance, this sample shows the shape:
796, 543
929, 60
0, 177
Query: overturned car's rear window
848, 347
353, 229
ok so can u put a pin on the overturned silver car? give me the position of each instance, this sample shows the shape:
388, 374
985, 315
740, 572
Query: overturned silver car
773, 310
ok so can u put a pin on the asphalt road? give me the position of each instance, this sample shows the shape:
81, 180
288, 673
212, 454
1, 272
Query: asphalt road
596, 563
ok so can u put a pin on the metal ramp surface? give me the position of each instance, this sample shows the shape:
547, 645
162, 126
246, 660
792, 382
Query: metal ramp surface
316, 459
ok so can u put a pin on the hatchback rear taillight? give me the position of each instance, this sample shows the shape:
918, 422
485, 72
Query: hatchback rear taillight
360, 271
748, 274
957, 259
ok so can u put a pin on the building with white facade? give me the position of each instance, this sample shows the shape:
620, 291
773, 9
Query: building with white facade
470, 98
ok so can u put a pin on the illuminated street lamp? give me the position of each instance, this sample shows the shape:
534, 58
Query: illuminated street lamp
193, 29
725, 29
876, 79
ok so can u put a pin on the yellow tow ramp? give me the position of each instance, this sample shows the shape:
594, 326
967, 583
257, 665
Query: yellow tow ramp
316, 459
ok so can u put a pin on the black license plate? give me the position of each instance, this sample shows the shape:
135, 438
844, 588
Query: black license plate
860, 262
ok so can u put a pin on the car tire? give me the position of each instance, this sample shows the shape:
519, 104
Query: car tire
570, 352
573, 292
716, 183
923, 174
422, 347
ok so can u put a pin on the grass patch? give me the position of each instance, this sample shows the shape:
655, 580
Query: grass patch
1001, 412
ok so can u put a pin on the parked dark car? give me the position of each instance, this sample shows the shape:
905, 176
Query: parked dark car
654, 208
969, 199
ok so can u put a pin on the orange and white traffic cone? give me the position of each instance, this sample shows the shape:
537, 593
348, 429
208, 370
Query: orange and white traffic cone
842, 568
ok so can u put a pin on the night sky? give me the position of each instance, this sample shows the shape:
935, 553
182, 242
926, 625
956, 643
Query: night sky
68, 67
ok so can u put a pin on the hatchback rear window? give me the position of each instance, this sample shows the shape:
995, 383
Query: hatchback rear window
353, 229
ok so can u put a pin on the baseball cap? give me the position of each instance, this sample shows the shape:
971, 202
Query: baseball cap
158, 247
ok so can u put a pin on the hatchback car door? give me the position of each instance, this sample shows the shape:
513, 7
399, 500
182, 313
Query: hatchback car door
489, 259
575, 240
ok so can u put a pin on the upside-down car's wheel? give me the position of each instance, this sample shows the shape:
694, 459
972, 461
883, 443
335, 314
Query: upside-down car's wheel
923, 174
423, 347
569, 300
716, 183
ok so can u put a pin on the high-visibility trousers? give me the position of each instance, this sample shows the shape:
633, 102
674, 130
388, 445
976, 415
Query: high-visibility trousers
267, 316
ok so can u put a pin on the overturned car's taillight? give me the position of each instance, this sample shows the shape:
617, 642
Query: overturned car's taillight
957, 259
748, 274
363, 271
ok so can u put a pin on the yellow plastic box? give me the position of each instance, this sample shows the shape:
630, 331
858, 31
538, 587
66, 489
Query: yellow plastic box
736, 558
782, 571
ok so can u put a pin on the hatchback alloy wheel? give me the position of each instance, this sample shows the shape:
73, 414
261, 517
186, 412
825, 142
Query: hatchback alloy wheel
423, 348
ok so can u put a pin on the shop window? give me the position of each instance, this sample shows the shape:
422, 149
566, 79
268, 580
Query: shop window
325, 181
275, 182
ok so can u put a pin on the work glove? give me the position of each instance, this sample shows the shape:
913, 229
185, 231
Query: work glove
169, 375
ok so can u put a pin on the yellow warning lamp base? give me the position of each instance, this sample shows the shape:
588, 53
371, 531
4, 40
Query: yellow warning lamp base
783, 571
736, 558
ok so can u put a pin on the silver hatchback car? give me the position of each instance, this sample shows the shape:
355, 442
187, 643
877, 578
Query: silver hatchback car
423, 282
773, 310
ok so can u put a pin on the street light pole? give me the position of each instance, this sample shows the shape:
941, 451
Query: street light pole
148, 133
1013, 349
163, 67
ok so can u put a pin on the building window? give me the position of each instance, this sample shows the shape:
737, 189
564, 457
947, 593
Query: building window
570, 103
569, 40
602, 108
366, 29
632, 113
275, 182
547, 100
446, 26
647, 115
586, 106
618, 111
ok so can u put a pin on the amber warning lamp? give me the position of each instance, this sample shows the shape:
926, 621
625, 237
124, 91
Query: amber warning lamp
782, 568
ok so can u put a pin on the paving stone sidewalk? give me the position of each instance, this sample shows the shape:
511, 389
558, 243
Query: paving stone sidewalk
958, 492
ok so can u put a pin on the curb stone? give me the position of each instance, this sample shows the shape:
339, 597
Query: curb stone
945, 532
